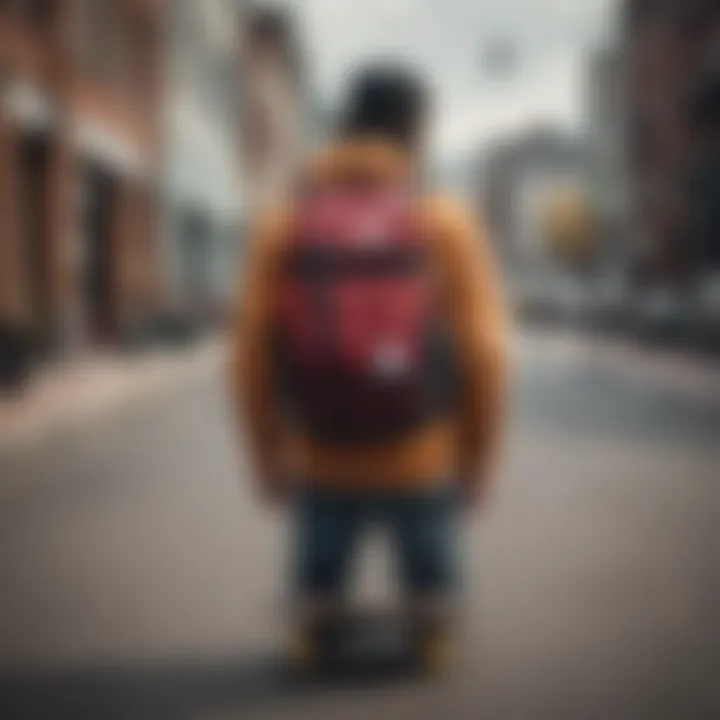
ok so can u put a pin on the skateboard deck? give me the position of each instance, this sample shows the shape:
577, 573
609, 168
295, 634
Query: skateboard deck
370, 643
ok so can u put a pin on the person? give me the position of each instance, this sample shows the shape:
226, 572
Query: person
344, 458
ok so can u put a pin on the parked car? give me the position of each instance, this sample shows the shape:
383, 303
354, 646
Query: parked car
572, 300
662, 314
533, 302
17, 357
611, 300
706, 314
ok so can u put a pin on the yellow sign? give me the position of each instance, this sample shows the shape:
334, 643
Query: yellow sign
568, 225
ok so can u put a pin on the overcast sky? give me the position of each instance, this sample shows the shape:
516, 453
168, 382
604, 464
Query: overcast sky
446, 37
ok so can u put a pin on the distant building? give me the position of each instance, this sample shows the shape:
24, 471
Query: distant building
606, 122
203, 195
320, 121
517, 175
79, 90
673, 49
275, 103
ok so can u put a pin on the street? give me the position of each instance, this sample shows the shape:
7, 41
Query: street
139, 579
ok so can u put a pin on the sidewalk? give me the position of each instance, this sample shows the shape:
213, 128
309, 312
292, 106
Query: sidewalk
97, 386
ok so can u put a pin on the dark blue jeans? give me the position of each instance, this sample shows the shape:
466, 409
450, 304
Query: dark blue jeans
422, 527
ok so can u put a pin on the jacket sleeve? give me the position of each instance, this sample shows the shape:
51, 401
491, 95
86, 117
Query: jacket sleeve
251, 361
478, 322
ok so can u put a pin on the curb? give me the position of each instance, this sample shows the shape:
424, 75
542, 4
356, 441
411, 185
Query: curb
162, 376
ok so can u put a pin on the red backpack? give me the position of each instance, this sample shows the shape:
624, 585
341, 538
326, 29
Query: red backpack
362, 351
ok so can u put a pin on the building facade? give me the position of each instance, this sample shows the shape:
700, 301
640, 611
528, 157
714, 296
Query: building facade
204, 203
275, 104
605, 125
79, 89
673, 95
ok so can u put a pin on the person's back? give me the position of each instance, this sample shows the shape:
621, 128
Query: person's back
400, 460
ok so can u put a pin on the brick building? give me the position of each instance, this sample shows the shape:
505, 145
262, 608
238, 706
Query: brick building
78, 164
673, 112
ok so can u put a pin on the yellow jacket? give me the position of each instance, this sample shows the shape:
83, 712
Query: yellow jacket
462, 447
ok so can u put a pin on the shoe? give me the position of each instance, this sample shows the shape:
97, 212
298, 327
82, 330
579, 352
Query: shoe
435, 654
314, 644
305, 653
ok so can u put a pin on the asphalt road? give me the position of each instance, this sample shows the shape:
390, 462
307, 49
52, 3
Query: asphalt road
138, 579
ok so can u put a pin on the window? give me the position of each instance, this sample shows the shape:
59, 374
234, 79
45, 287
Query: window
33, 13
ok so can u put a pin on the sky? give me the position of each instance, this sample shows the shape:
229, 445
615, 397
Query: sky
446, 39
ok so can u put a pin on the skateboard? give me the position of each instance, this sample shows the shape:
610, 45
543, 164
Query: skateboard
364, 643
